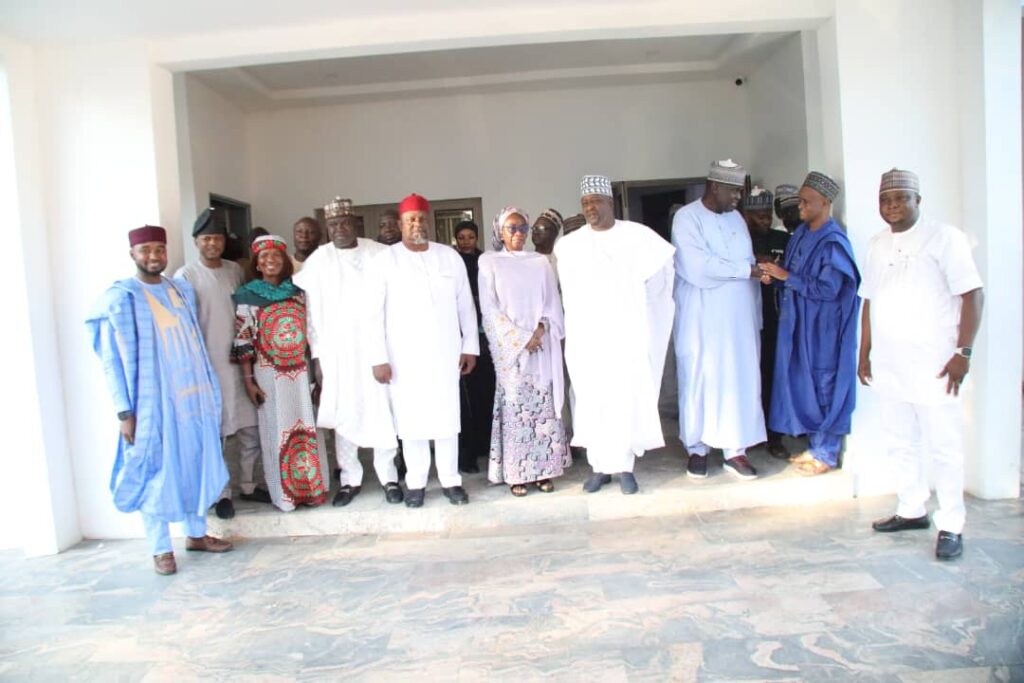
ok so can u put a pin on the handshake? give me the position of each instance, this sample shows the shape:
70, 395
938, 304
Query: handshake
766, 271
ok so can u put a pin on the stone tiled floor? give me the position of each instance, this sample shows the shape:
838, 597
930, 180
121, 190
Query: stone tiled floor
803, 593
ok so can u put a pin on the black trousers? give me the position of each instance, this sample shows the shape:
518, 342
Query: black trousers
477, 395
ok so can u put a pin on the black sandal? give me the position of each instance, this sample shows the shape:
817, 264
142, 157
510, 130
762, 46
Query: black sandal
518, 490
545, 485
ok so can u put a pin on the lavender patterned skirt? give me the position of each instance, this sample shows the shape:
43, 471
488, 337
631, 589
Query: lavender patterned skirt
528, 440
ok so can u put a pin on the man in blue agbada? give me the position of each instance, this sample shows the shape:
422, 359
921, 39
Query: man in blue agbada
169, 465
816, 359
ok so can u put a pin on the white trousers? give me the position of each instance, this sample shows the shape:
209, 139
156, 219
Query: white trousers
352, 469
702, 449
248, 454
918, 434
609, 461
417, 462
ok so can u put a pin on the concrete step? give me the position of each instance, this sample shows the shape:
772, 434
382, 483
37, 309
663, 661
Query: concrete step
664, 490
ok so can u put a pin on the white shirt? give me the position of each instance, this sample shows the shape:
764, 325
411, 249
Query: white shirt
214, 287
336, 282
914, 281
420, 317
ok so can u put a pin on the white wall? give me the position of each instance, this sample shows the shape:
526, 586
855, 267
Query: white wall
778, 121
528, 149
212, 145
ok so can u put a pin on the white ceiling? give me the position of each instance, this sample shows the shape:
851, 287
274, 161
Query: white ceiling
486, 69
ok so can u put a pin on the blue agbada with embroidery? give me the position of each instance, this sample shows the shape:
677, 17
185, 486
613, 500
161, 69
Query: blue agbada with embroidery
816, 356
151, 347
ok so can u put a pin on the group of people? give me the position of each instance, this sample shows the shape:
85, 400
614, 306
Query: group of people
424, 352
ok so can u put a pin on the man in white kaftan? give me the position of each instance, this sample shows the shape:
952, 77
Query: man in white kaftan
215, 280
335, 279
922, 307
616, 279
422, 333
717, 330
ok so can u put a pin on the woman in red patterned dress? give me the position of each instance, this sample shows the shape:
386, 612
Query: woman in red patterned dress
271, 346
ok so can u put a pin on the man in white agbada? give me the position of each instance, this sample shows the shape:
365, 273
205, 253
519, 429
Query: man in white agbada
422, 333
718, 323
922, 308
616, 279
335, 279
215, 280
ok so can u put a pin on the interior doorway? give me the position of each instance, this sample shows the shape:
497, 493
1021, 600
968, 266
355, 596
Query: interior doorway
650, 201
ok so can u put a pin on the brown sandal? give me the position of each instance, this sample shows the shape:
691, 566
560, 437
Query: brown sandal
545, 485
812, 468
518, 490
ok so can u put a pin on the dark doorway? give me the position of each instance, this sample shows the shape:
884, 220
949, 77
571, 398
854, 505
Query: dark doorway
649, 201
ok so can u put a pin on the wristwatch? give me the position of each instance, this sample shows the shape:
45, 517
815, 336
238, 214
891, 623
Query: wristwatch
964, 351
124, 415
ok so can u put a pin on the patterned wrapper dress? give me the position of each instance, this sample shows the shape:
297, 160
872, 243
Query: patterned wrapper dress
528, 440
271, 332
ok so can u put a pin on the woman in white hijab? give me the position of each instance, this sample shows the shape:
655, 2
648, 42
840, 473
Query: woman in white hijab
522, 316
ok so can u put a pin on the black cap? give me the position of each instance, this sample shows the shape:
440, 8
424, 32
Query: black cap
207, 224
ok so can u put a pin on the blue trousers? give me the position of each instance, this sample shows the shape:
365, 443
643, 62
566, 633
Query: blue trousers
825, 447
158, 532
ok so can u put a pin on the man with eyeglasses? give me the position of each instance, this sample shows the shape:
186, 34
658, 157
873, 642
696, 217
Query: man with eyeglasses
616, 279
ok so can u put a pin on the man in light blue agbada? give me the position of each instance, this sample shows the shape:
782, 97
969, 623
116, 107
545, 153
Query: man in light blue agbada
169, 465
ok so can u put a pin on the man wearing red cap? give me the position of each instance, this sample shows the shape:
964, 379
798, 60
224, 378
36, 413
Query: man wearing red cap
169, 465
424, 335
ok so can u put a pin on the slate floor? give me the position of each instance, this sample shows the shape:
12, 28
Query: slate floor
802, 593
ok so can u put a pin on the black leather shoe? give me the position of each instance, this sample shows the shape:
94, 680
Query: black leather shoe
224, 508
897, 523
257, 496
697, 467
456, 495
596, 481
414, 498
627, 482
949, 545
345, 495
393, 492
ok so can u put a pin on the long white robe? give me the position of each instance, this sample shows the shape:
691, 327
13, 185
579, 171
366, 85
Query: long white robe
351, 401
420, 317
216, 312
717, 330
617, 294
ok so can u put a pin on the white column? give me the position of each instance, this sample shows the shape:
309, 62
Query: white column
37, 491
990, 148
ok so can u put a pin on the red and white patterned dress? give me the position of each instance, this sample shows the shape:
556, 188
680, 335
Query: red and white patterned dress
273, 336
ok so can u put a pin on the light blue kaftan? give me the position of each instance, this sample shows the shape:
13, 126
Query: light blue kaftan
151, 347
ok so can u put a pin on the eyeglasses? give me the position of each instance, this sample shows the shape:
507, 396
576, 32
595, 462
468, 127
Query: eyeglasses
522, 228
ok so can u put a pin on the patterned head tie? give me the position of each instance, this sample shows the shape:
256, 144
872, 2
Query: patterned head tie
267, 243
897, 180
757, 199
147, 233
727, 172
787, 195
595, 184
338, 207
553, 217
822, 184
499, 221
